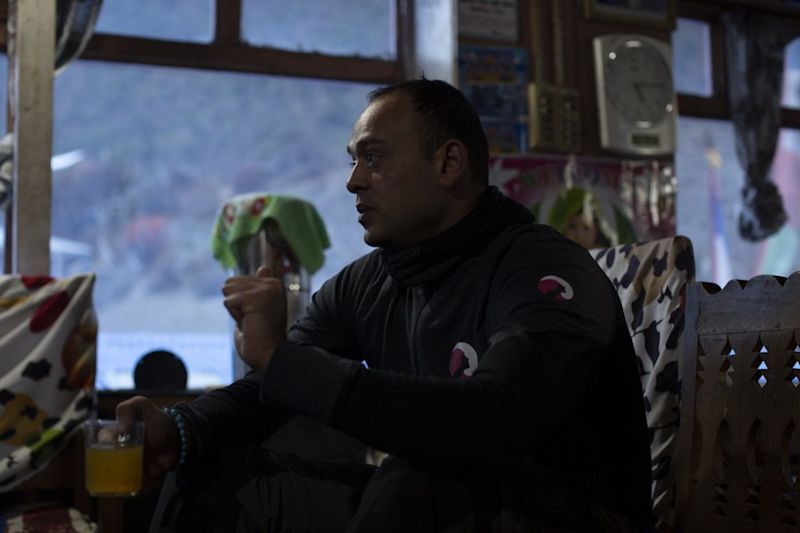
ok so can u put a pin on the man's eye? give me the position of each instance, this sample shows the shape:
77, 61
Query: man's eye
370, 158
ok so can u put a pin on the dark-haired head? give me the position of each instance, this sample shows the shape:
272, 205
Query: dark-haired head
443, 112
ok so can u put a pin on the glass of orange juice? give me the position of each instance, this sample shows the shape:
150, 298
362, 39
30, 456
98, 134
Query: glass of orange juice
113, 457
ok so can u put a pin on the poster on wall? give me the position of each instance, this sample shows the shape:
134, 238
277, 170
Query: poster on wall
488, 19
596, 202
495, 80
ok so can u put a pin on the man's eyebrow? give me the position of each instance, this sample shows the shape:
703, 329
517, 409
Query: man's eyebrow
364, 142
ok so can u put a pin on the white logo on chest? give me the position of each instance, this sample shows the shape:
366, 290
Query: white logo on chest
463, 351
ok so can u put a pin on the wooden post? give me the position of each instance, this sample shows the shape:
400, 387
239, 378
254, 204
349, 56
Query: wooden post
31, 51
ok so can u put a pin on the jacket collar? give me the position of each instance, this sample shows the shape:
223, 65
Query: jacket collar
434, 258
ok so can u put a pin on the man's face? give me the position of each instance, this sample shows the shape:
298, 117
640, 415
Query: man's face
398, 198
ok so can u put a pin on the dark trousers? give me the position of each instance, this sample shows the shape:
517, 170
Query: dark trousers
249, 488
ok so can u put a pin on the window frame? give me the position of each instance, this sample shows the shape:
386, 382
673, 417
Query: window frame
717, 106
228, 51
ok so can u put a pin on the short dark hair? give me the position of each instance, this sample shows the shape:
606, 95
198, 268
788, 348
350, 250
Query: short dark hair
444, 113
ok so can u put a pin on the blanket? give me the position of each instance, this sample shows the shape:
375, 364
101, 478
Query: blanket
48, 333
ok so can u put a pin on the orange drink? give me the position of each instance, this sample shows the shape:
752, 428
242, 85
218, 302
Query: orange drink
114, 470
113, 457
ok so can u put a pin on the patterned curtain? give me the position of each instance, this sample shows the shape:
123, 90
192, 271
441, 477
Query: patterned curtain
755, 52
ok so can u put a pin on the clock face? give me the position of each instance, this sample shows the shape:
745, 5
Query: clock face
638, 82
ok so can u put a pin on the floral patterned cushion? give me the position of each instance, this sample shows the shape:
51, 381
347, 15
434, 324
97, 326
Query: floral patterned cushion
650, 279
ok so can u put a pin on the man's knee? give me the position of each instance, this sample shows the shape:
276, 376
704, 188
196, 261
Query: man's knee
405, 496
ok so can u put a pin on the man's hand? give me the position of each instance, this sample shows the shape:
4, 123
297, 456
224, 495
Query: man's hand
161, 440
258, 305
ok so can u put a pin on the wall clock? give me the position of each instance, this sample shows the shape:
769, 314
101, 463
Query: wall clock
635, 95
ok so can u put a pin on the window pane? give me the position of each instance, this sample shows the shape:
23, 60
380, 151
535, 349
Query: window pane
153, 154
339, 27
710, 179
691, 57
791, 75
176, 20
3, 91
3, 108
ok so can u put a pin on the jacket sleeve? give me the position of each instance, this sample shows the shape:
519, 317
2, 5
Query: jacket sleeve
230, 414
237, 413
550, 323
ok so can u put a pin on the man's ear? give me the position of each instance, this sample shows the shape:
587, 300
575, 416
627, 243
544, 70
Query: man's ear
452, 162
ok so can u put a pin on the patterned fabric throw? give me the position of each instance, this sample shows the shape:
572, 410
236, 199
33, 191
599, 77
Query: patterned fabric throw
48, 333
49, 520
651, 279
243, 217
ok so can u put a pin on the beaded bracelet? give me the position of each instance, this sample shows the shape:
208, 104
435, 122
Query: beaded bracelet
182, 436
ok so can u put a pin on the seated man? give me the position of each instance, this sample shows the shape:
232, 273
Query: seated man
497, 370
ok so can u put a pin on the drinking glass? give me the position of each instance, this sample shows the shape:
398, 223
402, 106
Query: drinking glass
113, 457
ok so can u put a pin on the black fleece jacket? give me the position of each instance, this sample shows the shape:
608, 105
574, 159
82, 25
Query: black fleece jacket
496, 344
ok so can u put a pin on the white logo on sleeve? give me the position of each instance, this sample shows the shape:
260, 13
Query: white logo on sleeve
556, 288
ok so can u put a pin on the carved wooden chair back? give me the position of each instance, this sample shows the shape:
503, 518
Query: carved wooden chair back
739, 442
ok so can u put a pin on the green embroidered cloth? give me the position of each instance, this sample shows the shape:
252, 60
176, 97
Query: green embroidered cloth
243, 216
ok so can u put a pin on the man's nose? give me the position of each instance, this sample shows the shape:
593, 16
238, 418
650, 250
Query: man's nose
356, 181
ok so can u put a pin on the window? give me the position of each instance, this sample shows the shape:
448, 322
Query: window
691, 58
183, 20
710, 181
152, 135
710, 176
154, 152
3, 109
791, 76
3, 89
345, 27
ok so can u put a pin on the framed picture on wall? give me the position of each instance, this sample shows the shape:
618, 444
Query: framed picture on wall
488, 19
659, 13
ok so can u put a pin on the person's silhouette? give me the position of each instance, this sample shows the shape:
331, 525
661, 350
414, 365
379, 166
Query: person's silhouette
160, 370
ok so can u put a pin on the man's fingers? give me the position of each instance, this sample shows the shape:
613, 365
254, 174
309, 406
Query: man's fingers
131, 409
237, 284
234, 307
